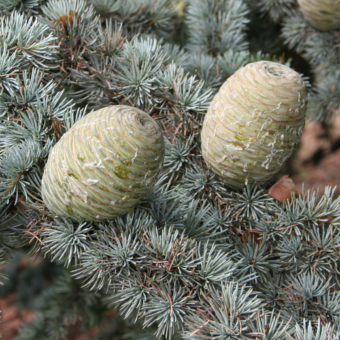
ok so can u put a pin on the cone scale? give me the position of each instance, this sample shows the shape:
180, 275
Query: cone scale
104, 165
254, 123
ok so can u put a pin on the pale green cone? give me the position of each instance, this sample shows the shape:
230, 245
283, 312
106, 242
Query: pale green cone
104, 165
323, 15
254, 123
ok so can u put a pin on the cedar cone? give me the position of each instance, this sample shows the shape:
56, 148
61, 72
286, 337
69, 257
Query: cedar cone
104, 165
323, 15
254, 123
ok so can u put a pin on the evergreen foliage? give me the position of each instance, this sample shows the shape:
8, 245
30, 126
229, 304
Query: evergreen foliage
322, 52
195, 259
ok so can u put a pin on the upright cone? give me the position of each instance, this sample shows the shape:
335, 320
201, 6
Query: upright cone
323, 15
254, 123
104, 165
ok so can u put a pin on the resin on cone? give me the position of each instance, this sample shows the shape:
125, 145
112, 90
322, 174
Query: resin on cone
323, 15
254, 123
104, 165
